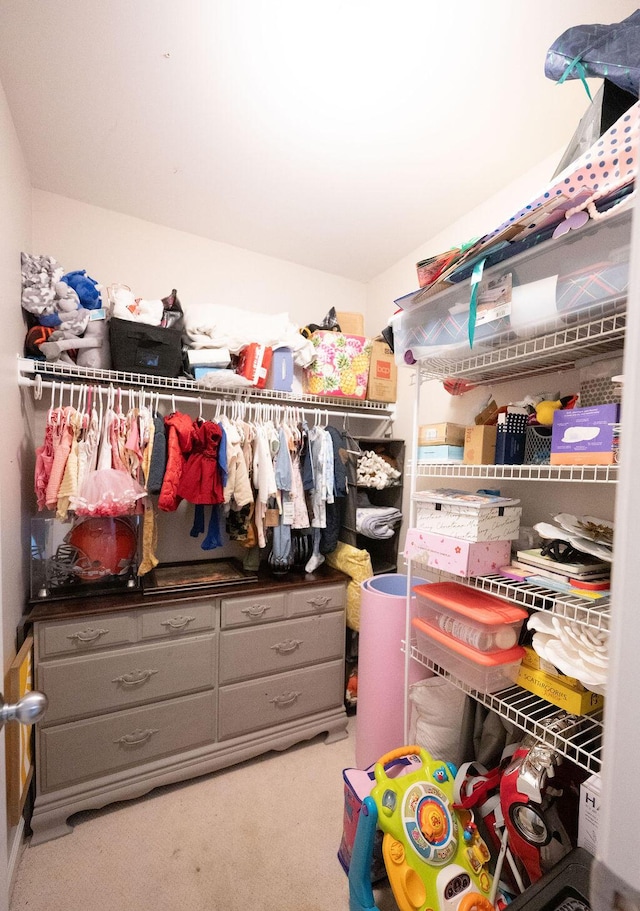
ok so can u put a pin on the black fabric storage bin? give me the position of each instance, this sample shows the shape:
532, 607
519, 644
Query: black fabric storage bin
140, 348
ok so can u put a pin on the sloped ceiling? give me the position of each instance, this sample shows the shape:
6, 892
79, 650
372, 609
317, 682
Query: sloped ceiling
339, 135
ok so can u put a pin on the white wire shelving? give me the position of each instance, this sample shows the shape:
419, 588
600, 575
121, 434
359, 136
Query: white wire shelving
560, 349
581, 474
557, 350
42, 373
580, 741
584, 611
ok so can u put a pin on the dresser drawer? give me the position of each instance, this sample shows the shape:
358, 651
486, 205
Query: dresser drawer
85, 634
277, 647
252, 610
176, 621
69, 753
250, 706
113, 680
315, 600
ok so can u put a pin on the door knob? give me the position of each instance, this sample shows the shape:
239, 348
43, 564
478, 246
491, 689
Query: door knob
27, 710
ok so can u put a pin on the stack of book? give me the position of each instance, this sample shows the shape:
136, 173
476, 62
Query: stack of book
590, 578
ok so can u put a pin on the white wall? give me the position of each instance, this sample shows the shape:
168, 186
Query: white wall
15, 231
152, 260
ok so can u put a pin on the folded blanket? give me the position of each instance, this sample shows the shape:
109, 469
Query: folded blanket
219, 326
378, 521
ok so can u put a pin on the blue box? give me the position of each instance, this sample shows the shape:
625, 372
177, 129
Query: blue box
511, 437
199, 372
280, 375
585, 436
441, 453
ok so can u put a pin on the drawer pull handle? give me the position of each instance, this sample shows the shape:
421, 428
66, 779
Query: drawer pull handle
177, 622
289, 645
88, 635
136, 737
285, 699
319, 601
256, 610
135, 678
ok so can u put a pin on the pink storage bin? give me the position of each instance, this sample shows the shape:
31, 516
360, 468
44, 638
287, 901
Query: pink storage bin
465, 558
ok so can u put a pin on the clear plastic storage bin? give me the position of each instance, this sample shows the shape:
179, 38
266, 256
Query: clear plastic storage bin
85, 556
576, 278
476, 618
484, 672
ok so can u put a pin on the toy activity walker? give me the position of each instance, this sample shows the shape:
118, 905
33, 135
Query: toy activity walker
434, 856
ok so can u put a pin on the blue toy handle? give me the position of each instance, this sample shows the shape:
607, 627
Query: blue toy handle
389, 758
360, 890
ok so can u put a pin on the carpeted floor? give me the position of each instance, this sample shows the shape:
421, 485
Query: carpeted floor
262, 836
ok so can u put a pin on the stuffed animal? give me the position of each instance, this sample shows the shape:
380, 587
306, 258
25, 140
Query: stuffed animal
70, 321
62, 305
87, 288
329, 323
39, 275
545, 410
98, 355
124, 305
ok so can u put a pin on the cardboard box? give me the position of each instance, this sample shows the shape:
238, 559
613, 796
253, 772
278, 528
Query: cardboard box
589, 813
438, 434
480, 444
465, 558
350, 323
585, 436
565, 692
440, 453
383, 374
340, 367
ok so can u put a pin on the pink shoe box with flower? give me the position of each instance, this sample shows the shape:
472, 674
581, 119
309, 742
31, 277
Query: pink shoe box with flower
340, 367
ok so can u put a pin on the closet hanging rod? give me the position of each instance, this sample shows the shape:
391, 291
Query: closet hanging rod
306, 407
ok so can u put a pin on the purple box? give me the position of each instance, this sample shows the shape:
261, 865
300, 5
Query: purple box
585, 436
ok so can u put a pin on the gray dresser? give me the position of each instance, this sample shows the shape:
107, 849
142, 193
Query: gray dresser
149, 690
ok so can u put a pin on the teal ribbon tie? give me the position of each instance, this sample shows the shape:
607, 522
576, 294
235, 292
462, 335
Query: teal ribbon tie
576, 64
476, 278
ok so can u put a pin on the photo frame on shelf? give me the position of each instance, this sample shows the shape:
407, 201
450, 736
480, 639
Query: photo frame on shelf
18, 736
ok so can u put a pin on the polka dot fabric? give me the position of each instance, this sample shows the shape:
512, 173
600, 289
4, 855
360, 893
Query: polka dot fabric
607, 167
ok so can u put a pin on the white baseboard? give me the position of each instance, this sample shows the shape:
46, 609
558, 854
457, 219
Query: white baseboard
17, 847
